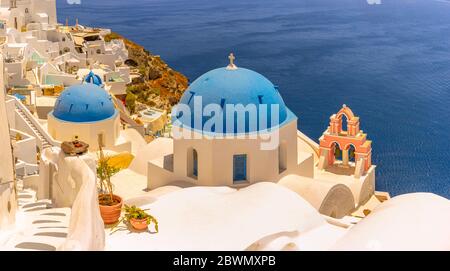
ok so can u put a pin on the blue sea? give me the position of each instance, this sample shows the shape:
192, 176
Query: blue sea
389, 62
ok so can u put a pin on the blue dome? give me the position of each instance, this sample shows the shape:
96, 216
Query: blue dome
225, 87
93, 79
84, 103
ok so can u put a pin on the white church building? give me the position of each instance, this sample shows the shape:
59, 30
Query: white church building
264, 145
86, 112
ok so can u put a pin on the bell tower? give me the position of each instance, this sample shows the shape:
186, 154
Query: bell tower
345, 142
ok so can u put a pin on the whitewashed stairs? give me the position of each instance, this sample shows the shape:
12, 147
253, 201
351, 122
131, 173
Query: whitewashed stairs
41, 226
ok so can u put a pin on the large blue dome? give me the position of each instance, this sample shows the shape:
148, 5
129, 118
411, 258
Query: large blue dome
84, 103
240, 86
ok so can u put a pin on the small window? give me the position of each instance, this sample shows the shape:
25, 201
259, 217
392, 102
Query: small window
63, 39
282, 157
27, 11
260, 99
101, 141
239, 168
99, 51
192, 96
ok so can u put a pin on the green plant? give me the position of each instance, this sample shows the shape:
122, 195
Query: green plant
130, 102
142, 69
104, 173
156, 91
111, 36
138, 213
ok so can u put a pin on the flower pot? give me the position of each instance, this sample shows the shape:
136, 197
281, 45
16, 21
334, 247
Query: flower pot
111, 214
139, 224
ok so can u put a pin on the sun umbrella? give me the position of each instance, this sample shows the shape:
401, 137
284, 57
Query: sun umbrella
121, 160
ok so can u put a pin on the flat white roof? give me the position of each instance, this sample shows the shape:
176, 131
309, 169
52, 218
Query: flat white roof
45, 101
83, 72
17, 45
150, 114
219, 218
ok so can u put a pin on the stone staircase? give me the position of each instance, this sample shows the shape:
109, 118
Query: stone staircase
40, 227
44, 142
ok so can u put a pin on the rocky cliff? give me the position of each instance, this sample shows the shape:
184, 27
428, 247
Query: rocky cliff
154, 83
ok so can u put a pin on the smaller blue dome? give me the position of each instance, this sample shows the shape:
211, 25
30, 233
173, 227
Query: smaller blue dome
20, 96
93, 79
84, 103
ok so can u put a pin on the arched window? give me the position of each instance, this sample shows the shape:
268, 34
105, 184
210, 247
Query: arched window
101, 140
26, 11
351, 153
337, 151
192, 163
282, 157
344, 124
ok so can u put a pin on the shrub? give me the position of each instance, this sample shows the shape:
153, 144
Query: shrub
112, 36
130, 102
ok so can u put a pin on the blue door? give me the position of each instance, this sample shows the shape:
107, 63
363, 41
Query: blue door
195, 163
239, 168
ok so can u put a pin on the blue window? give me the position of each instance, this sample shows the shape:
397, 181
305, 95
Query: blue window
239, 168
194, 163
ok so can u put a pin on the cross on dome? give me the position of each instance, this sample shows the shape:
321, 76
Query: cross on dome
231, 66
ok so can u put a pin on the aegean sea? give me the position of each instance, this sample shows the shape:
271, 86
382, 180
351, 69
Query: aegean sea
388, 60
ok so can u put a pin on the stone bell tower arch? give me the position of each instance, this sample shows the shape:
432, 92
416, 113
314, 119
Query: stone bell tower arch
345, 138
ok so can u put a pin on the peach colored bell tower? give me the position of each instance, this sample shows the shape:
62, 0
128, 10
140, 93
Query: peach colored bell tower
336, 140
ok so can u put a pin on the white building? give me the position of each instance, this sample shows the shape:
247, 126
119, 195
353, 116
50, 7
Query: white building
21, 13
42, 52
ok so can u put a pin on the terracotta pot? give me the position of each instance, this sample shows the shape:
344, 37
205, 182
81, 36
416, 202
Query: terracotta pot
139, 224
111, 214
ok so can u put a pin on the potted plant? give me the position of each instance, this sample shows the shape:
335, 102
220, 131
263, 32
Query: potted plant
110, 204
138, 218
